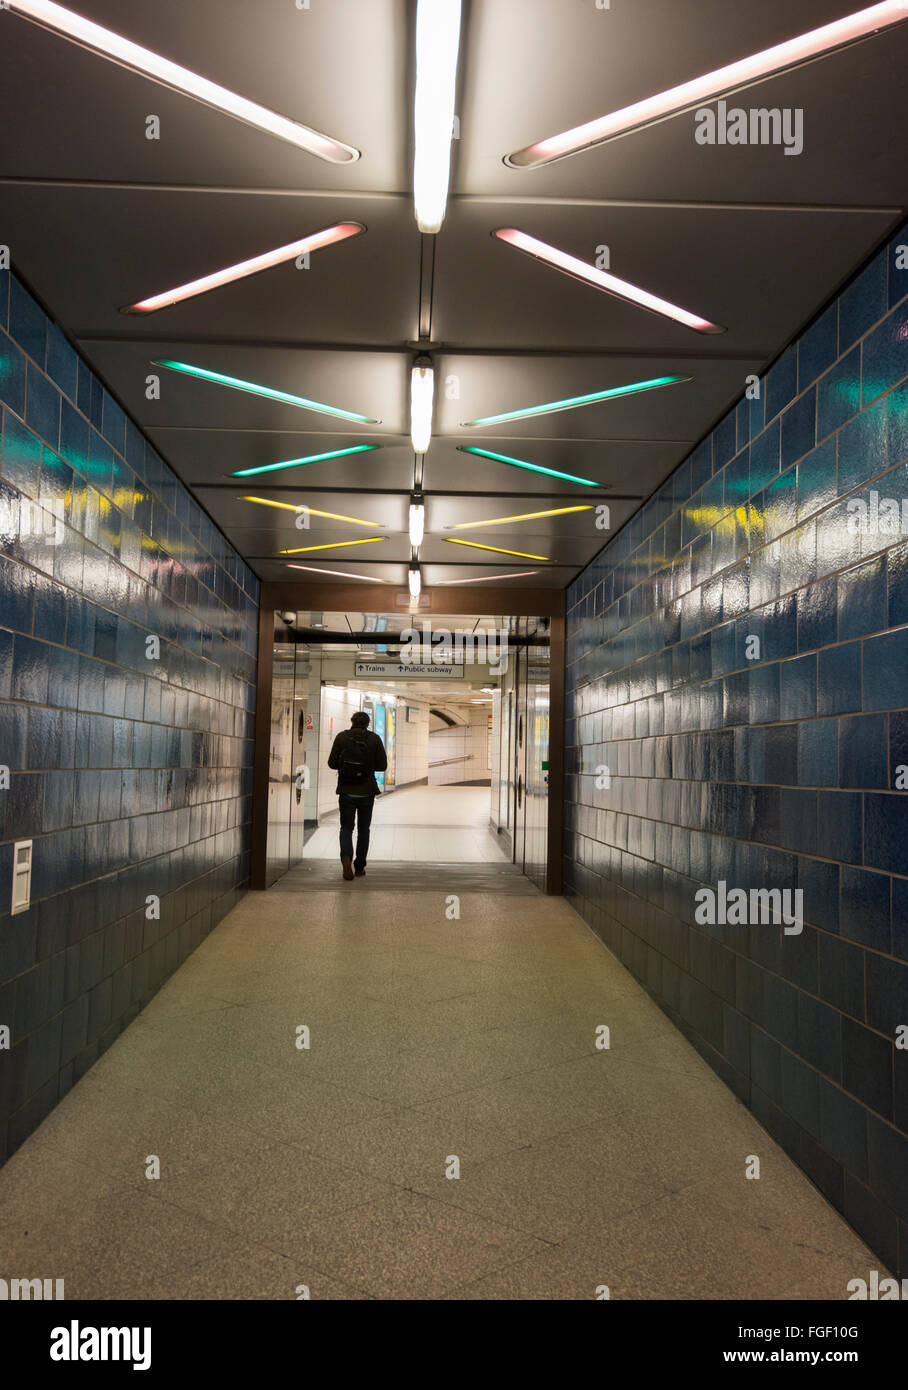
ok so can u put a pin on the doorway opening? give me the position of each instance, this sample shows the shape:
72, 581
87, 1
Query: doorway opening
462, 706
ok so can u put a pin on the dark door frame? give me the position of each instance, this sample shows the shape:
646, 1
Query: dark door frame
371, 598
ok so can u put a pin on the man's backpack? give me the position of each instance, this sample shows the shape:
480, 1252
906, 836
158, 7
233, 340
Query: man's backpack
356, 766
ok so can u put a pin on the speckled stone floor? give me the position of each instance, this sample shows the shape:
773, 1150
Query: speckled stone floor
436, 1046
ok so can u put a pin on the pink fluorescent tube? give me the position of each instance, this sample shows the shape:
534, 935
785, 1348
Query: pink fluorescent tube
341, 232
790, 54
579, 270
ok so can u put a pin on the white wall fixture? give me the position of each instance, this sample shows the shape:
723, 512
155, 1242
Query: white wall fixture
22, 876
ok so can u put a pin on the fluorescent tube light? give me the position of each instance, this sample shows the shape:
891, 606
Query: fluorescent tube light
298, 463
313, 511
417, 520
415, 581
283, 396
734, 76
332, 545
499, 550
600, 279
572, 402
525, 516
131, 55
341, 574
522, 463
486, 578
341, 231
422, 393
437, 44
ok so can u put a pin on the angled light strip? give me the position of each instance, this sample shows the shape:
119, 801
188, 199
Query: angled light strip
313, 511
526, 516
332, 545
131, 55
310, 458
499, 550
239, 385
437, 45
485, 578
601, 280
744, 73
522, 463
341, 231
572, 402
340, 574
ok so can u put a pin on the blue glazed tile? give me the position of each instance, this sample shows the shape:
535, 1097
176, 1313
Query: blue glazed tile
898, 424
885, 354
21, 458
780, 509
819, 882
765, 453
42, 407
800, 1092
95, 412
818, 346
764, 694
781, 753
31, 670
27, 323
817, 479
818, 753
113, 423
897, 763
884, 670
14, 736
862, 447
843, 1128
841, 981
839, 679
74, 433
867, 1066
897, 584
863, 761
886, 831
781, 382
798, 820
4, 298
817, 614
839, 825
864, 911
887, 995
862, 303
12, 375
839, 394
820, 1036
798, 688
62, 362
888, 1160
799, 428
862, 599
780, 628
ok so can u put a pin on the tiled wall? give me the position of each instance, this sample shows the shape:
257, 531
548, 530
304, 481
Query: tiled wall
131, 773
769, 767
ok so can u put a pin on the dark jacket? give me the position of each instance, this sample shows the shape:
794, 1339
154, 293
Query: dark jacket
374, 747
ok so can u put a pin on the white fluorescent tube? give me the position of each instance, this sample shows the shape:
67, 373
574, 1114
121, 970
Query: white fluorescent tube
415, 579
343, 574
589, 274
315, 242
734, 76
437, 44
417, 523
422, 392
132, 55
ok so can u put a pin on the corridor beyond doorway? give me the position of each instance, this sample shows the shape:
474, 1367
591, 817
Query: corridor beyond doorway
428, 825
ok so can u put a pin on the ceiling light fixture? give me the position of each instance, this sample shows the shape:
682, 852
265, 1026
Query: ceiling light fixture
417, 519
437, 44
332, 545
601, 280
310, 458
487, 578
522, 463
525, 516
341, 231
105, 42
499, 550
313, 511
572, 402
414, 579
284, 397
341, 574
793, 53
422, 394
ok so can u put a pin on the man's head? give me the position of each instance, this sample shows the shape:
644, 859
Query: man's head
360, 720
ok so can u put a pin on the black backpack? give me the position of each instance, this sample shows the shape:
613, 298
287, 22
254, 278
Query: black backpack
356, 762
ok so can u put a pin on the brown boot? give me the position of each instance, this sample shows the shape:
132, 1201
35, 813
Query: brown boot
347, 865
360, 872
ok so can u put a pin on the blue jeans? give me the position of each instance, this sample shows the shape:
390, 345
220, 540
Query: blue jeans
355, 809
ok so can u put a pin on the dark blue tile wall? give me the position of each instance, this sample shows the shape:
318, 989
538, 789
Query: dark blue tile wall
772, 762
130, 768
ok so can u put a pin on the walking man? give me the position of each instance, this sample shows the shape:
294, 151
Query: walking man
356, 756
